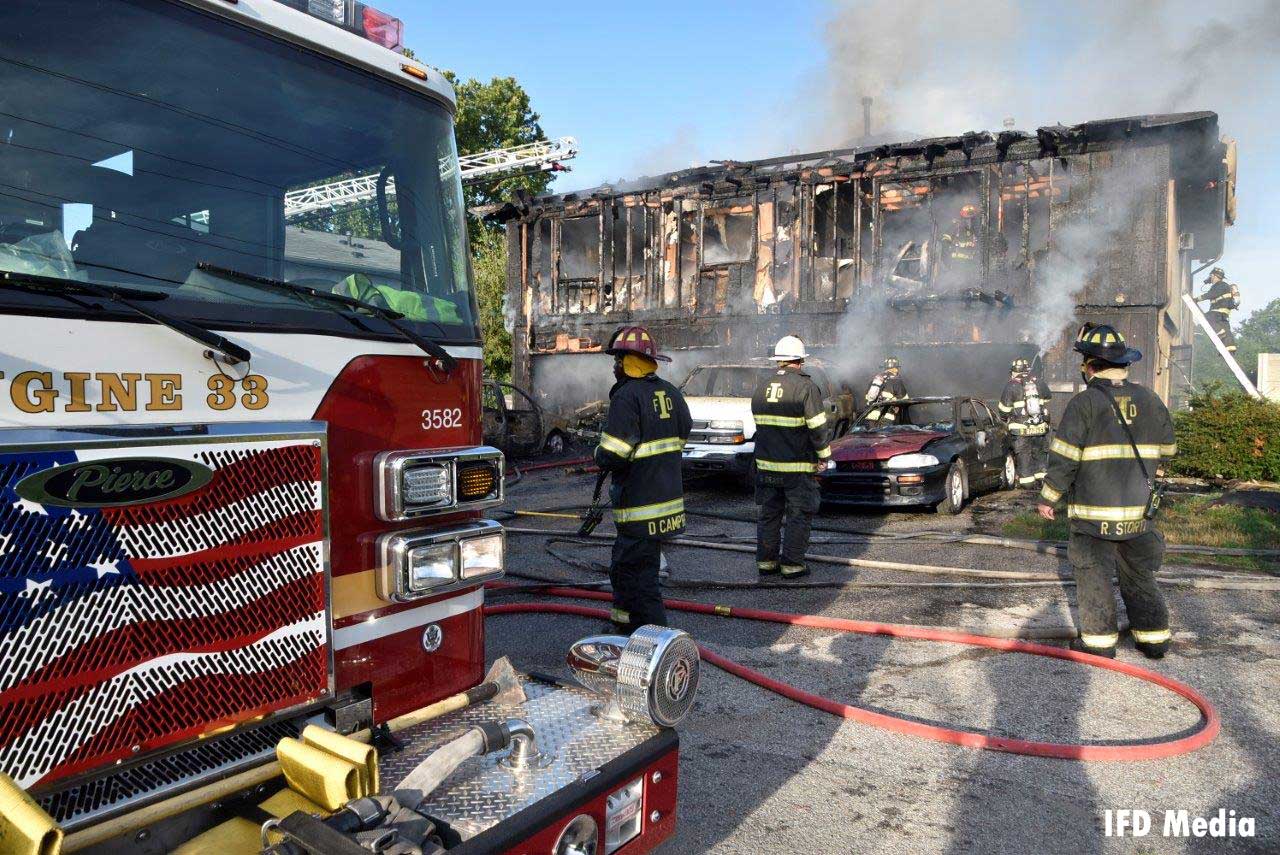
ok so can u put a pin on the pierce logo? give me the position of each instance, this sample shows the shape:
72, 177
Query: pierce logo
114, 482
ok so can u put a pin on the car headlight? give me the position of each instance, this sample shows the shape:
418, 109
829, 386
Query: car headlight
726, 424
420, 483
911, 461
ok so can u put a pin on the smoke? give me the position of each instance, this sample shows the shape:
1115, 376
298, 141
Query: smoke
564, 382
1084, 243
939, 69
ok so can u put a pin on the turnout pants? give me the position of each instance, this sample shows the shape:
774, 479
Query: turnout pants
1135, 563
633, 572
1031, 453
1222, 326
792, 497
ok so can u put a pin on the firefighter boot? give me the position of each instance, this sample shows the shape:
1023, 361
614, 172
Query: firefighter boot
794, 571
1152, 650
1151, 643
1078, 645
767, 568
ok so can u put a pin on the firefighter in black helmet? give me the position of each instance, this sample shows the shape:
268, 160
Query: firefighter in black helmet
1224, 298
640, 447
885, 387
791, 449
1025, 406
1103, 461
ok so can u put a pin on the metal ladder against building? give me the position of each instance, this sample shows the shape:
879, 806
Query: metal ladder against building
1203, 321
544, 155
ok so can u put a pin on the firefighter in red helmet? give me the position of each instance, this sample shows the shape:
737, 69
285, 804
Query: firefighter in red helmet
640, 448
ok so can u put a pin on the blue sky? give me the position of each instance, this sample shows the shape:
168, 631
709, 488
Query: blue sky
661, 85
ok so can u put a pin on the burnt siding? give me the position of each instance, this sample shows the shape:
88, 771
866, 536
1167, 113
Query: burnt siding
740, 308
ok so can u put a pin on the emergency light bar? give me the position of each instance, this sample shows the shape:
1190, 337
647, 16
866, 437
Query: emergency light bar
365, 21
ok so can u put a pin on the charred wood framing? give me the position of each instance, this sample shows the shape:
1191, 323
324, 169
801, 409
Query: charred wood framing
961, 241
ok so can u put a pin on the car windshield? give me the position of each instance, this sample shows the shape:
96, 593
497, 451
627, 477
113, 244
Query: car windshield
725, 381
148, 138
923, 416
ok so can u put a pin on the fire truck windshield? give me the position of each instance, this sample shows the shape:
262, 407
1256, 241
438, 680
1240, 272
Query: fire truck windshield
223, 147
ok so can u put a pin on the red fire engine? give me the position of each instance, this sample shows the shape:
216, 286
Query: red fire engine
242, 555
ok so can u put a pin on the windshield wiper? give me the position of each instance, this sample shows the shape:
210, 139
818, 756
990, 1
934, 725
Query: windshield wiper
231, 352
391, 316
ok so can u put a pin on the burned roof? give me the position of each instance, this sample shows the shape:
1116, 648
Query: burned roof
1198, 129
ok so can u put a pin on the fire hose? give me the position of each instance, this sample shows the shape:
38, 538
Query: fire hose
1210, 724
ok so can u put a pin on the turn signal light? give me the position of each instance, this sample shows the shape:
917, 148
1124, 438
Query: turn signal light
476, 481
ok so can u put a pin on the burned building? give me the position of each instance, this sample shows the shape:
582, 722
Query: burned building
954, 253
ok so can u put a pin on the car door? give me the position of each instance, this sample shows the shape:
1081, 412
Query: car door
989, 445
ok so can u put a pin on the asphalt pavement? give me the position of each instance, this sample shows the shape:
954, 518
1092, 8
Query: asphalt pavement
762, 774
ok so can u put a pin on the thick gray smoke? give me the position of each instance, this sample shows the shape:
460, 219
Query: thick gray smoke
939, 70
943, 69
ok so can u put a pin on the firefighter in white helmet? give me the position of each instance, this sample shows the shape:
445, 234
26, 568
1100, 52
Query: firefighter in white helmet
791, 449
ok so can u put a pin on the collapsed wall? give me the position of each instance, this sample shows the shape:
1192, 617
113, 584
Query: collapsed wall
954, 254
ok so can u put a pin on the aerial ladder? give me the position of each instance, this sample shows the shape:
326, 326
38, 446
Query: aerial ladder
542, 156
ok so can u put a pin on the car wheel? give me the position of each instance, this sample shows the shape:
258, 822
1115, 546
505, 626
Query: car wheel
555, 443
748, 479
1009, 475
954, 489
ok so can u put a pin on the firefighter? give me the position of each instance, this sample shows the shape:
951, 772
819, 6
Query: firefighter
960, 247
1105, 468
1025, 406
791, 449
640, 447
1224, 298
885, 386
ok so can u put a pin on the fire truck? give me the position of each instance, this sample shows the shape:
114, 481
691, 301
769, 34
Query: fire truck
242, 480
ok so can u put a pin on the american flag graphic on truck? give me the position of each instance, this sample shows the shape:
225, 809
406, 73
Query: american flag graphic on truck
128, 628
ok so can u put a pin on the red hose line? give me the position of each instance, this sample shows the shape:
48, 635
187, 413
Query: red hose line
1146, 751
554, 464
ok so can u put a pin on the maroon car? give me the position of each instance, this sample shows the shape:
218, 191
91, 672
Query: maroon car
937, 452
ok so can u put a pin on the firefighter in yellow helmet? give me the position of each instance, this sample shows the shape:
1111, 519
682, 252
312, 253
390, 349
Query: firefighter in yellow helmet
640, 447
1103, 462
791, 448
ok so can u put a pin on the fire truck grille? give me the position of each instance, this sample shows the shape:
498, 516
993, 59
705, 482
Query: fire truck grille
125, 630
97, 799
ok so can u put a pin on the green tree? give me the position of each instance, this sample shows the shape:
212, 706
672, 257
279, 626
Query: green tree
496, 115
489, 266
1258, 333
490, 116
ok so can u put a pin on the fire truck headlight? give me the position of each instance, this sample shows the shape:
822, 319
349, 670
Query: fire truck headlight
432, 566
424, 486
423, 482
425, 562
483, 557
